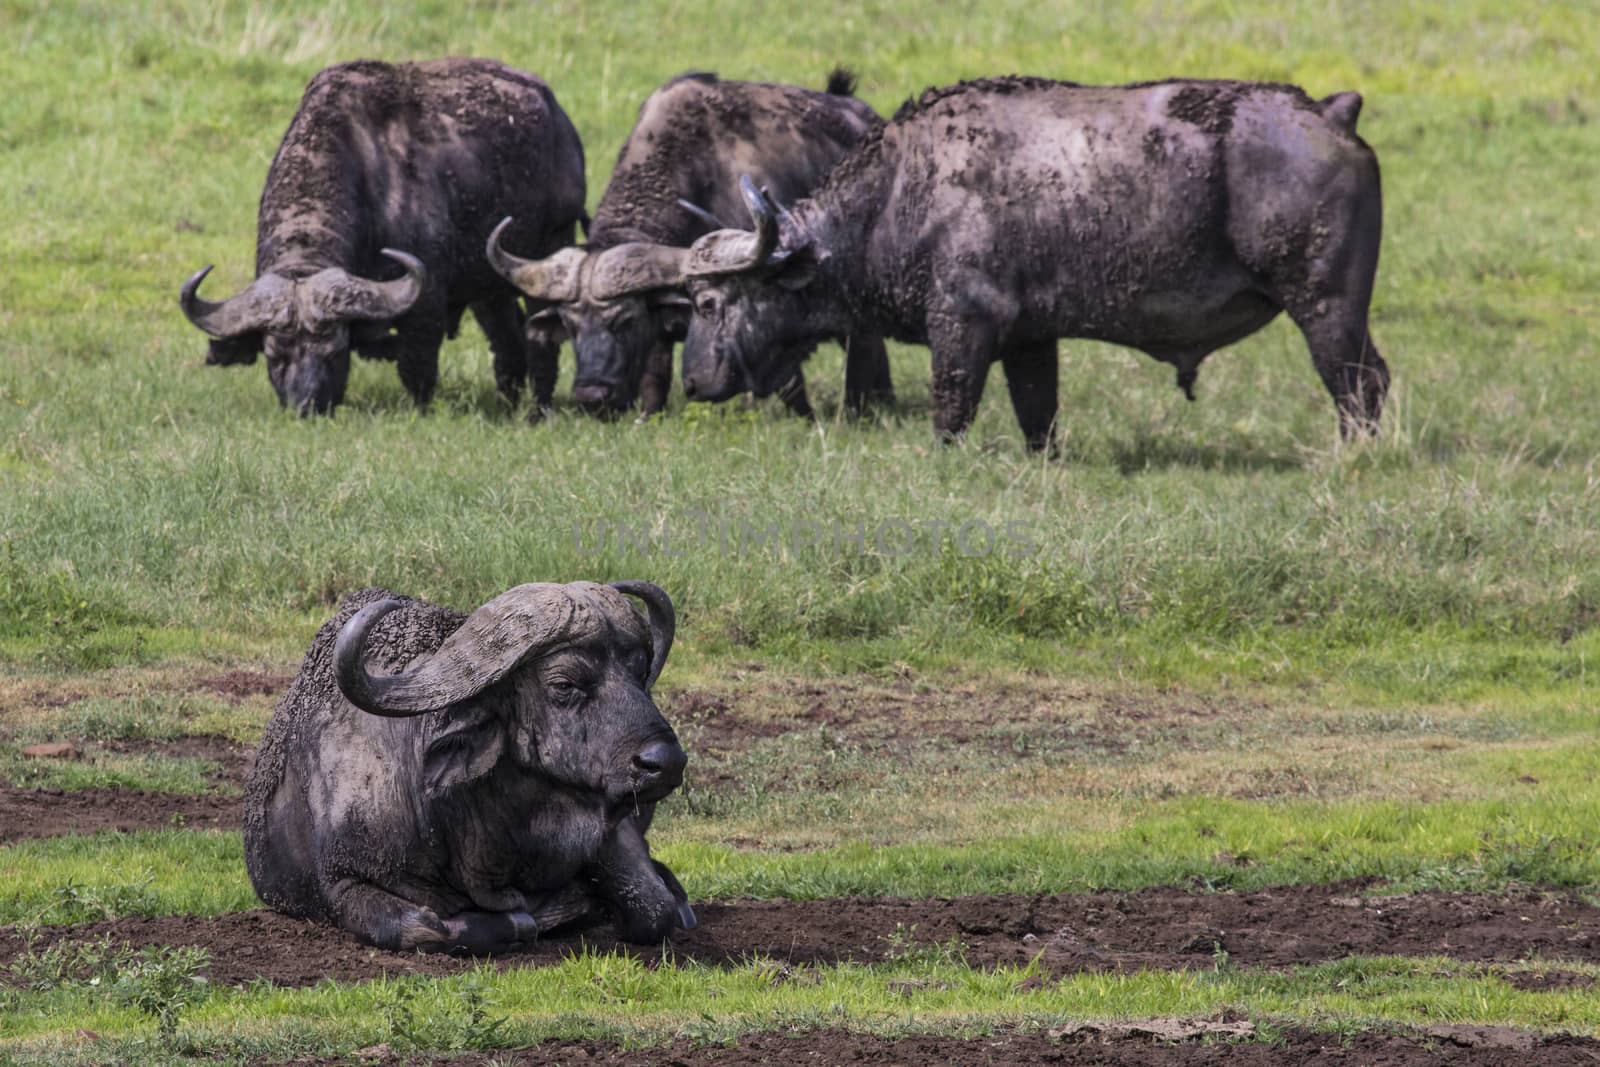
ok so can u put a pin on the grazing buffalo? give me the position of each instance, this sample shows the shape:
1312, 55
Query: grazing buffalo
408, 165
460, 783
991, 218
621, 300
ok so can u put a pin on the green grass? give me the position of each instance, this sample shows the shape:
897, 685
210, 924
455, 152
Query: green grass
1487, 845
1225, 635
155, 508
620, 998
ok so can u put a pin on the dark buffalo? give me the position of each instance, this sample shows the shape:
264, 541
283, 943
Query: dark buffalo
993, 217
621, 301
408, 165
444, 782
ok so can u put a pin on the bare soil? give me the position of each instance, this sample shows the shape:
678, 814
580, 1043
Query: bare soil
1135, 1045
1151, 929
30, 813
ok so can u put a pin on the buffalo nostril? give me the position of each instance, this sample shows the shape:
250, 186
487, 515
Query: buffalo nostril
689, 390
661, 757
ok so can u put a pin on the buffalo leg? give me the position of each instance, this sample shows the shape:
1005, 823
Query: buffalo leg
390, 922
656, 383
417, 356
646, 900
793, 395
962, 350
867, 381
385, 920
543, 366
501, 320
1032, 378
1355, 374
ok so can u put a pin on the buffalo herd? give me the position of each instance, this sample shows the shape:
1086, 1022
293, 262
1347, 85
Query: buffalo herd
440, 782
986, 220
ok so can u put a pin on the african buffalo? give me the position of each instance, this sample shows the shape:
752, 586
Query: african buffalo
991, 218
621, 301
460, 783
408, 164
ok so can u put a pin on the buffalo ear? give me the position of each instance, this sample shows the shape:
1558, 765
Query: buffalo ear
798, 269
544, 327
229, 351
673, 310
463, 749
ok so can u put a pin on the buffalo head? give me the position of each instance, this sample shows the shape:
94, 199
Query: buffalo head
753, 320
575, 665
615, 305
307, 326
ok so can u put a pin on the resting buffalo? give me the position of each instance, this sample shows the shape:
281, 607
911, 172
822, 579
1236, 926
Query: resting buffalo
622, 301
991, 218
460, 783
408, 165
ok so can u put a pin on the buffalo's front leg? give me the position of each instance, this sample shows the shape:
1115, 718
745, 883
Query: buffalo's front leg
501, 320
655, 385
867, 381
962, 351
646, 900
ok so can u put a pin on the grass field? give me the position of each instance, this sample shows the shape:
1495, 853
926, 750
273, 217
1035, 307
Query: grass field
1206, 634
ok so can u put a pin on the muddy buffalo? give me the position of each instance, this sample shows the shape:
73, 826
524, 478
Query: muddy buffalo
372, 223
461, 783
991, 218
621, 300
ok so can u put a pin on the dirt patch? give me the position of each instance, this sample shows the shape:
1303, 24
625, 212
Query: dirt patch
1549, 981
239, 686
1118, 1044
996, 718
1150, 929
233, 760
29, 813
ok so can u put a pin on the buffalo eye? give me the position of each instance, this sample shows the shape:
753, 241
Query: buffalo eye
565, 692
708, 304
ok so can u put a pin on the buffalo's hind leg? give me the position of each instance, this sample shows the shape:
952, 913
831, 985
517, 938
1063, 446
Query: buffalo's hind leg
387, 921
1348, 361
501, 320
1032, 377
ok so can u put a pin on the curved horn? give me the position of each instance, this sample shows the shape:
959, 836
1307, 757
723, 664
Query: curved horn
262, 304
734, 251
554, 278
703, 215
663, 622
337, 294
765, 216
513, 627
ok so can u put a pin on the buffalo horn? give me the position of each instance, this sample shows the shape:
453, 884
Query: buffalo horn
735, 251
663, 622
703, 215
265, 302
553, 279
337, 294
765, 215
514, 627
